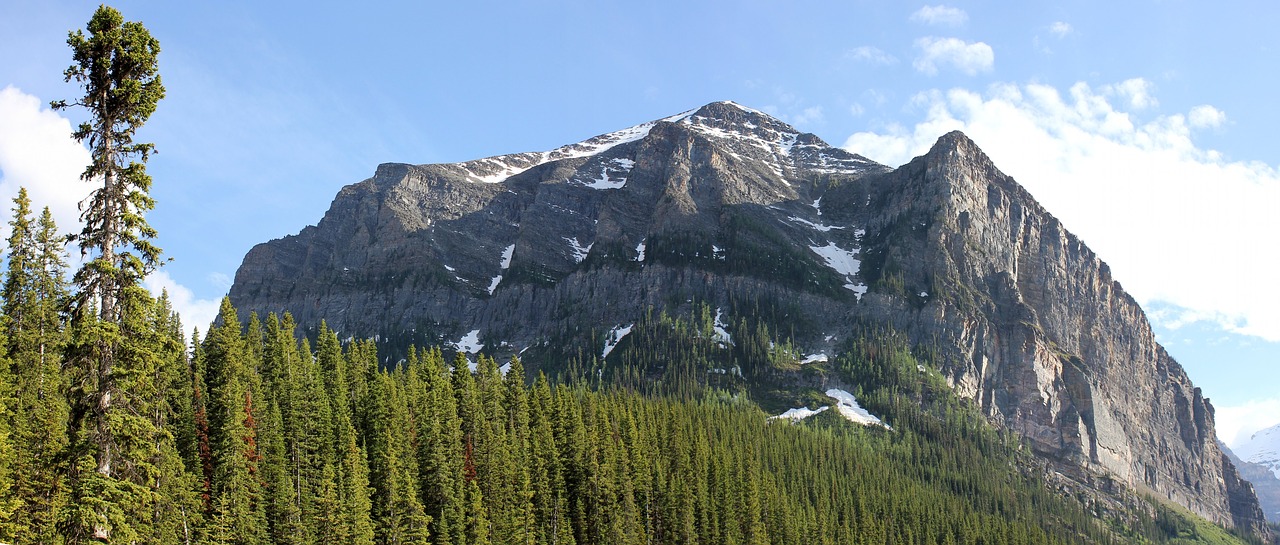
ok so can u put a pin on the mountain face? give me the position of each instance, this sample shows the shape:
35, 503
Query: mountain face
1265, 481
728, 207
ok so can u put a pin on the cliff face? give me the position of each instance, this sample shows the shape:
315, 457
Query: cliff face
728, 206
1039, 333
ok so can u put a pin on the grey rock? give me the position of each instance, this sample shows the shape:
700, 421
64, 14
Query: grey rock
727, 205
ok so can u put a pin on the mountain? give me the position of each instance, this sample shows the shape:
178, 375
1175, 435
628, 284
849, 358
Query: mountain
1263, 448
556, 255
1266, 484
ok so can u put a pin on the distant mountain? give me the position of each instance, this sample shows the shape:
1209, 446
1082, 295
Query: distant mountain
1266, 484
556, 255
1263, 448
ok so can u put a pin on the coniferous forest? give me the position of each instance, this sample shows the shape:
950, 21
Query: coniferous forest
116, 427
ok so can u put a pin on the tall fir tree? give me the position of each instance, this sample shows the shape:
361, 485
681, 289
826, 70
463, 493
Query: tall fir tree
116, 66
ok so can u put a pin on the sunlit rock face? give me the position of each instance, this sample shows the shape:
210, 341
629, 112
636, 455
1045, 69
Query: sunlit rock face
727, 206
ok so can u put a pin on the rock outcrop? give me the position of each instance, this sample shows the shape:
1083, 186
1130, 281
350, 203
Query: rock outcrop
1040, 334
729, 206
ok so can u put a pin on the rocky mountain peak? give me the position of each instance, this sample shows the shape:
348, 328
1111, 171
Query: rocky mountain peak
729, 207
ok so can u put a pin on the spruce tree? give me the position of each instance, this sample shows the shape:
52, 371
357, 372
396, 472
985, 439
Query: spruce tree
116, 66
34, 292
239, 502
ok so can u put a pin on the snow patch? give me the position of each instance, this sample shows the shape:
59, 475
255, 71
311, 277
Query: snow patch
798, 414
494, 284
613, 175
839, 259
814, 226
579, 251
850, 409
613, 338
814, 358
843, 262
640, 251
506, 256
721, 334
469, 343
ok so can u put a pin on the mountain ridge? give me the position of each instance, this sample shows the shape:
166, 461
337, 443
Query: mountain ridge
728, 206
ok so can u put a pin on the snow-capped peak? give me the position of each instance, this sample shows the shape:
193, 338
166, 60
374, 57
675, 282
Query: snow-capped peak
725, 119
1262, 448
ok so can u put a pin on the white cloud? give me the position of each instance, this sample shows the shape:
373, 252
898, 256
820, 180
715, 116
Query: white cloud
1178, 224
969, 58
857, 110
871, 55
195, 312
220, 280
940, 16
1136, 91
1235, 424
812, 114
37, 152
1205, 116
1060, 29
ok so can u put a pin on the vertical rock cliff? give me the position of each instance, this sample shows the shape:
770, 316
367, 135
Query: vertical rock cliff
1045, 340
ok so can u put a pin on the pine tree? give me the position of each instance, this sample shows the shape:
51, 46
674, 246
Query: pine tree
239, 502
34, 291
175, 513
440, 446
9, 502
398, 515
116, 66
351, 467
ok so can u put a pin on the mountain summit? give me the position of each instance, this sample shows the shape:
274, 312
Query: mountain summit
555, 255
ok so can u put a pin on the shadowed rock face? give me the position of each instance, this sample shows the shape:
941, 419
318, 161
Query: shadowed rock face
729, 206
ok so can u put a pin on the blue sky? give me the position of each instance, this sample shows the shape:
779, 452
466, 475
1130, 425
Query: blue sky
1146, 126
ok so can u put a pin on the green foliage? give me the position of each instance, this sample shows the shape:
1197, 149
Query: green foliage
117, 68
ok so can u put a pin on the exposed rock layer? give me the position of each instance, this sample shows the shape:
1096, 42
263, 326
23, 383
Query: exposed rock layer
729, 206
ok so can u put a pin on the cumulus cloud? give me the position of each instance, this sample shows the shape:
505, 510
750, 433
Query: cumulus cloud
871, 55
195, 312
1236, 424
37, 152
1137, 92
1178, 224
940, 16
966, 57
1206, 116
1060, 29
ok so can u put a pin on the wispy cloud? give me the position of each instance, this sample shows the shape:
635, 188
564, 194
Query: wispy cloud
1177, 223
1235, 424
1060, 29
966, 57
872, 55
940, 16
